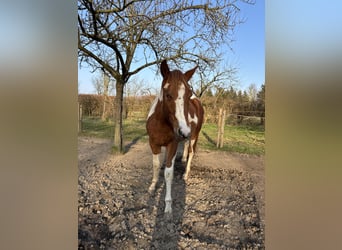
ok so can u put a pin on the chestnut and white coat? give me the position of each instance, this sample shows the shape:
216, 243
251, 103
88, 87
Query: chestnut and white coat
175, 115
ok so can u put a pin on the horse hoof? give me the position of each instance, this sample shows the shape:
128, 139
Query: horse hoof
151, 189
168, 217
168, 208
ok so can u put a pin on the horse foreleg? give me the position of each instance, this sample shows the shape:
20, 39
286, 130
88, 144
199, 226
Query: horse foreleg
191, 155
156, 167
168, 174
185, 151
168, 180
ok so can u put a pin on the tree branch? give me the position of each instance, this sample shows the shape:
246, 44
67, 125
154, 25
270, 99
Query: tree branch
99, 61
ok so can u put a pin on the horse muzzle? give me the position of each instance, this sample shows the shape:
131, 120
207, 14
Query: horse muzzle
182, 134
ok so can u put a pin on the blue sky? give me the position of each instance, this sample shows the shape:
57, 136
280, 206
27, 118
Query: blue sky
248, 53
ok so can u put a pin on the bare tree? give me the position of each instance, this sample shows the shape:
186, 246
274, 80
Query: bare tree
97, 82
133, 90
261, 104
252, 92
105, 94
125, 37
103, 86
217, 79
138, 87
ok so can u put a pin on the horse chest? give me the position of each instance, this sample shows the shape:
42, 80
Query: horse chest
160, 132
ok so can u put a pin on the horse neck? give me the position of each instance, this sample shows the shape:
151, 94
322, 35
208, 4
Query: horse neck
159, 113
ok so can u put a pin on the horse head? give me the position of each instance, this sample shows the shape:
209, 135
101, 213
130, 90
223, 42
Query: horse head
176, 94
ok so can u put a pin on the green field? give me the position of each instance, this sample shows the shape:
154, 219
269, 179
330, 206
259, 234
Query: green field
237, 138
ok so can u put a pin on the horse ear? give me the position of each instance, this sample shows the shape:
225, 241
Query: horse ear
189, 73
164, 69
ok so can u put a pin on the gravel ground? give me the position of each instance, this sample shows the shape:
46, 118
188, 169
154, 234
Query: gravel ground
221, 205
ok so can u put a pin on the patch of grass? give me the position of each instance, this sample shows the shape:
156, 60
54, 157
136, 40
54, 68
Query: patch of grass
134, 130
94, 126
241, 139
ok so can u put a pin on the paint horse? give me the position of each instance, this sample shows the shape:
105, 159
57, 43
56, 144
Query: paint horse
175, 115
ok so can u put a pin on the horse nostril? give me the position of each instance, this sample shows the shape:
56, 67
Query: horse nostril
181, 134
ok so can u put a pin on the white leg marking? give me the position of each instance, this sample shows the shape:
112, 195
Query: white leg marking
186, 151
191, 155
168, 179
156, 167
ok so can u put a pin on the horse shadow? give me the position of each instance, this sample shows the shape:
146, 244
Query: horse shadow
167, 229
132, 143
209, 139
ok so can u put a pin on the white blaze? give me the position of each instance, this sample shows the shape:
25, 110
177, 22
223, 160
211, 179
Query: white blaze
185, 129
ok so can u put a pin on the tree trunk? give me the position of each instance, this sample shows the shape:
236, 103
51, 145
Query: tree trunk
105, 95
103, 117
118, 128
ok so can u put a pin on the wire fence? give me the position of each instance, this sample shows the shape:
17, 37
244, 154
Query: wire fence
138, 108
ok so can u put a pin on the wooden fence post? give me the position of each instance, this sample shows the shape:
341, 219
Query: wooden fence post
219, 128
80, 117
223, 119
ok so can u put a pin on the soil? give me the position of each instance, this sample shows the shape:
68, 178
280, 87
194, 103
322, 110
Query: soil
220, 206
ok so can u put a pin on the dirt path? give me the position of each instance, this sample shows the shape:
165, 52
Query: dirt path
220, 207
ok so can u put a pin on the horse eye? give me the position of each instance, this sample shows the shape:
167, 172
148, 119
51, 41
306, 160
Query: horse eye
169, 97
